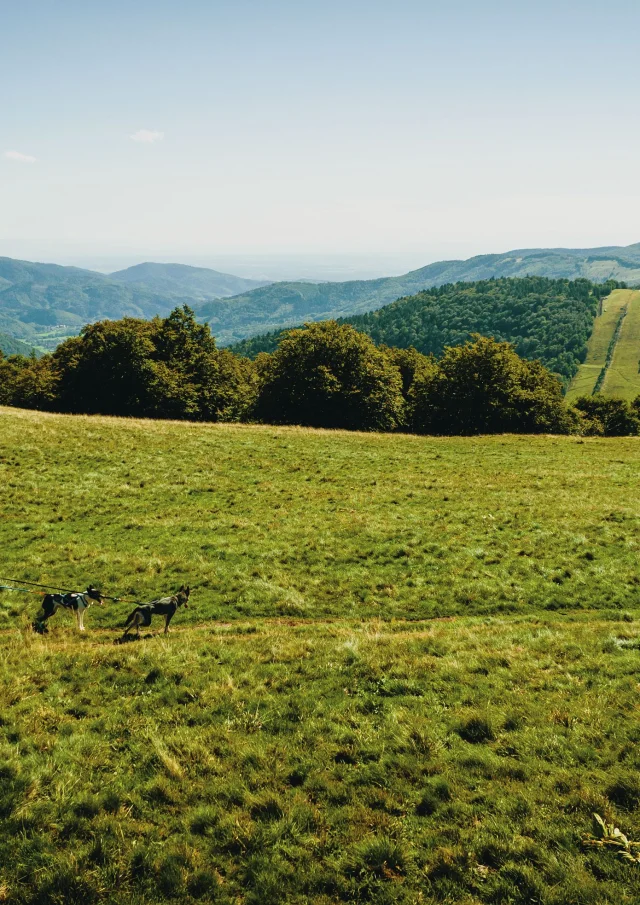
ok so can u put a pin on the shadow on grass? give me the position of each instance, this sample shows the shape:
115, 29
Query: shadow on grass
127, 639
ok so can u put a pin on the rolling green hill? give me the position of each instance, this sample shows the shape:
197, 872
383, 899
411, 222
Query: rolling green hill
178, 280
407, 673
550, 320
612, 364
622, 377
289, 304
42, 304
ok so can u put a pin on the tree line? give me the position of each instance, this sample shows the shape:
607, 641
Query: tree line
545, 319
326, 374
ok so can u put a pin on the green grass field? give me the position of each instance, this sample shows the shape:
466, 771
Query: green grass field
622, 377
409, 674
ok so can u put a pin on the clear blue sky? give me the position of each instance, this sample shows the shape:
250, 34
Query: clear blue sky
432, 129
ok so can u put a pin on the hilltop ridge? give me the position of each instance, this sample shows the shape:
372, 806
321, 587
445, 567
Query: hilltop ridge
288, 304
199, 283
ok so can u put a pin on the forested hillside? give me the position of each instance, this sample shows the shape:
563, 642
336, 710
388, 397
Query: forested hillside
11, 346
288, 304
43, 304
549, 320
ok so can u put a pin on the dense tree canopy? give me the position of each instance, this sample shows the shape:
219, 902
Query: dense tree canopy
609, 417
164, 368
329, 375
484, 387
324, 375
547, 320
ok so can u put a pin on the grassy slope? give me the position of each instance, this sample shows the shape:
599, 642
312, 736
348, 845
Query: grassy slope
319, 742
604, 328
623, 375
276, 521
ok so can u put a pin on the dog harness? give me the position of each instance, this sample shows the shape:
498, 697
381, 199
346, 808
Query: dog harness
69, 601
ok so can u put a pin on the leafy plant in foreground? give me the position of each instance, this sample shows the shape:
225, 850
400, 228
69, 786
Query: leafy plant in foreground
606, 835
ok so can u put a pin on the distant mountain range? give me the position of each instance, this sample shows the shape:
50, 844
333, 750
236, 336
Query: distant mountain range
282, 305
41, 304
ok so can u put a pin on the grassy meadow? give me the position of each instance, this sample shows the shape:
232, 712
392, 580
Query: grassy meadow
623, 375
620, 312
408, 674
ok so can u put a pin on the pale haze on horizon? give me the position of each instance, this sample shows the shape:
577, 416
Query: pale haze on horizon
412, 131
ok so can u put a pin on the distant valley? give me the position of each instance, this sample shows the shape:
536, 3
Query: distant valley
41, 304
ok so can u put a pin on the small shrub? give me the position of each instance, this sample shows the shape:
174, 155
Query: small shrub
609, 416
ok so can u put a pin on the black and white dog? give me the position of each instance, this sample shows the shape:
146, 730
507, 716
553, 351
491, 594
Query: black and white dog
78, 602
164, 606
